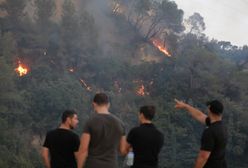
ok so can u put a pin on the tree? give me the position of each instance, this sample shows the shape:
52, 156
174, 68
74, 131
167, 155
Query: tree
166, 17
14, 9
44, 11
15, 145
196, 24
78, 40
141, 12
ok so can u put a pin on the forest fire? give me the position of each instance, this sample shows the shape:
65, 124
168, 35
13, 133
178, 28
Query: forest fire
141, 90
161, 47
21, 69
85, 85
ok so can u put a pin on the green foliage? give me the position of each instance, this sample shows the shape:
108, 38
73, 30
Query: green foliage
15, 11
171, 15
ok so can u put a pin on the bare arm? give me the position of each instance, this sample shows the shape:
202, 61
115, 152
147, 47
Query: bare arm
82, 154
202, 158
124, 146
45, 156
195, 113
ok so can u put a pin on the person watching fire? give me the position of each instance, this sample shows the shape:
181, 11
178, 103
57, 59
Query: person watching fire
61, 145
145, 140
214, 137
103, 136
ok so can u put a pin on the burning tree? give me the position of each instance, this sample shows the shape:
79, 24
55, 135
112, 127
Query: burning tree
155, 21
161, 47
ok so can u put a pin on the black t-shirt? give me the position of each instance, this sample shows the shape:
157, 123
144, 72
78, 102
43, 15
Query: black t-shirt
62, 144
214, 139
105, 132
146, 141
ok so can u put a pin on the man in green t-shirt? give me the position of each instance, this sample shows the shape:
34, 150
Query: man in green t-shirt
103, 136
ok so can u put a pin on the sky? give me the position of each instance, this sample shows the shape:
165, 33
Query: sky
225, 20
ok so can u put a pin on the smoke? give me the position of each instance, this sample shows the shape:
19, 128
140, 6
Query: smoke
108, 35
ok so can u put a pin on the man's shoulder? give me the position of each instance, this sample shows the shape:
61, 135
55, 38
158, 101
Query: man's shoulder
110, 117
137, 129
116, 118
159, 132
102, 118
208, 128
74, 134
97, 117
53, 131
93, 118
215, 126
58, 131
208, 132
217, 129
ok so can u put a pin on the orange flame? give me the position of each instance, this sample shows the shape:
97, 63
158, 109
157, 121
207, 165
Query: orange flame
141, 90
85, 85
161, 47
21, 69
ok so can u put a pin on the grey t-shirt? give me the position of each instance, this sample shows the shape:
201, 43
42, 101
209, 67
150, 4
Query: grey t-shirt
105, 132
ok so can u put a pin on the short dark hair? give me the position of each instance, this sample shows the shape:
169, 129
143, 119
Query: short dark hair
67, 113
148, 112
101, 99
215, 106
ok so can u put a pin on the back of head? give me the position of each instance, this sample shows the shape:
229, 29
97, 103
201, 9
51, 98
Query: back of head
215, 106
148, 112
66, 114
101, 99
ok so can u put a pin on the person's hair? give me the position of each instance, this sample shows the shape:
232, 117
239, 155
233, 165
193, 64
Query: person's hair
67, 113
101, 99
148, 112
215, 106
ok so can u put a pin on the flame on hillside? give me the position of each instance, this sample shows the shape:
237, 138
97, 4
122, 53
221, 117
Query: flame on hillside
85, 85
21, 69
141, 90
158, 44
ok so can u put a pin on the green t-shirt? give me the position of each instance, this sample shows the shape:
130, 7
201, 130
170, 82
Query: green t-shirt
105, 132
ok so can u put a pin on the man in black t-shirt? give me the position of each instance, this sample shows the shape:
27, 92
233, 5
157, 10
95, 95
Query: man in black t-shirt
145, 140
61, 145
214, 137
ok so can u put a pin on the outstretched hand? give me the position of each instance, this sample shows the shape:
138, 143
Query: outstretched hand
180, 104
195, 113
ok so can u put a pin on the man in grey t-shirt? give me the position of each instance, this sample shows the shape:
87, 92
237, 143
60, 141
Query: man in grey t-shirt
102, 137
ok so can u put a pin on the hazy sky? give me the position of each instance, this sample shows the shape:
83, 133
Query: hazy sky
225, 19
